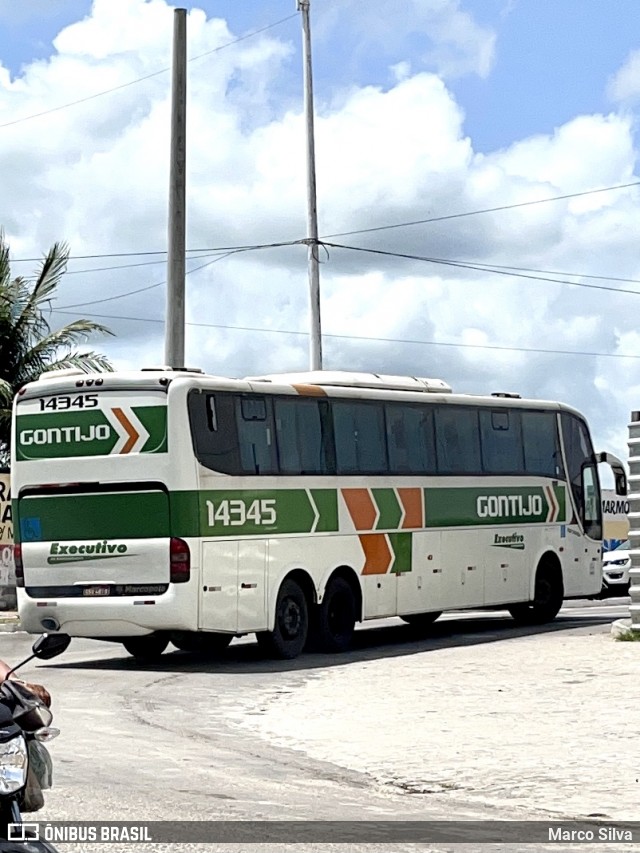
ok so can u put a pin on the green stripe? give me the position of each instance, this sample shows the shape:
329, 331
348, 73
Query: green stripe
401, 544
492, 505
63, 435
262, 512
561, 496
154, 420
113, 515
326, 501
390, 509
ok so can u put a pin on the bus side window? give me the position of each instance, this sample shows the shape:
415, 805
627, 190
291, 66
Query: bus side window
300, 433
213, 431
256, 435
501, 437
583, 476
457, 440
410, 439
541, 444
359, 436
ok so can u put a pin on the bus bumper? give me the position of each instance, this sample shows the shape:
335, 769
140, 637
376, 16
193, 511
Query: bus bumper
175, 610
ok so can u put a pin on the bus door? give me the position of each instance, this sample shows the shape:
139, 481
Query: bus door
233, 588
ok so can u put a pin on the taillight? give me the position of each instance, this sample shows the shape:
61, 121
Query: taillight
179, 561
17, 559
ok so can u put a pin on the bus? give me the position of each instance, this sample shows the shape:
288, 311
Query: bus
170, 506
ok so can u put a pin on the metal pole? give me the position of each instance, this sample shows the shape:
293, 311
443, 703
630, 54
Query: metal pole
315, 340
175, 309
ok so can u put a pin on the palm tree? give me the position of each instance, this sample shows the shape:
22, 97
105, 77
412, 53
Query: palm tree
28, 346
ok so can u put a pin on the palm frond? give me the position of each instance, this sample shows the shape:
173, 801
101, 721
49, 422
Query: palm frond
5, 266
28, 346
90, 362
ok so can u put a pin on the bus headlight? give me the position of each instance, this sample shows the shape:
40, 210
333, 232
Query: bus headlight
14, 763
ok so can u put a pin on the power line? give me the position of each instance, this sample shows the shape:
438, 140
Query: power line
368, 338
143, 289
476, 268
203, 252
484, 210
145, 77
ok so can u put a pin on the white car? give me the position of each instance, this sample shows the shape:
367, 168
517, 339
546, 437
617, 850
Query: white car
615, 570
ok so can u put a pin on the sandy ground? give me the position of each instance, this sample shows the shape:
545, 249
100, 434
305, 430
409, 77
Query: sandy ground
544, 726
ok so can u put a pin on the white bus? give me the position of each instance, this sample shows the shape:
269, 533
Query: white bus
171, 506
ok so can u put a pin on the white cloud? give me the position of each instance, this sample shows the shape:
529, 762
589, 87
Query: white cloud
624, 86
443, 36
97, 175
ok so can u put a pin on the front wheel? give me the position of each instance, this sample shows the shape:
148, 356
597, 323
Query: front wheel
547, 600
147, 648
289, 636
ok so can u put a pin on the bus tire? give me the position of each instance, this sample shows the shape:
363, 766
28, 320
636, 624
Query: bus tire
146, 648
547, 601
207, 642
289, 635
421, 621
336, 617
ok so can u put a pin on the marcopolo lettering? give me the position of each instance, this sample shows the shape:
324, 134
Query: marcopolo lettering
509, 506
616, 507
65, 435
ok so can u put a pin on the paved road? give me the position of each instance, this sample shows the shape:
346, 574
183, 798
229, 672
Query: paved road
175, 740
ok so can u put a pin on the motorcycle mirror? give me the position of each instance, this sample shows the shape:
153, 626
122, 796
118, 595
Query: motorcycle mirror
49, 646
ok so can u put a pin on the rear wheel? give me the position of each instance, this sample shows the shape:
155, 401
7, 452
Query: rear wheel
547, 601
206, 642
146, 648
336, 617
288, 638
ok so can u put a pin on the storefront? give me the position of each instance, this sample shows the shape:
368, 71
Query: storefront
615, 512
7, 570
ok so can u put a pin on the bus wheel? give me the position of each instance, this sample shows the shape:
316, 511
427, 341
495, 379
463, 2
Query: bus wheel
421, 621
201, 641
146, 648
336, 617
289, 635
547, 601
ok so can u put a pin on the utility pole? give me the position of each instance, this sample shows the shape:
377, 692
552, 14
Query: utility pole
175, 308
315, 341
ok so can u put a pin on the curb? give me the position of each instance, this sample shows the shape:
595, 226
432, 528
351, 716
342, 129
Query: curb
9, 623
620, 626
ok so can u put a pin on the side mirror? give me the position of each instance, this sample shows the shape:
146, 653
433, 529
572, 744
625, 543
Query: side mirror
49, 646
620, 476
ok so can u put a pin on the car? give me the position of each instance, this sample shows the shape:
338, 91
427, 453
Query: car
615, 570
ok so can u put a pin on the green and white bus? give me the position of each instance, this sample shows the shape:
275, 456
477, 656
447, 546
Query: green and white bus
172, 506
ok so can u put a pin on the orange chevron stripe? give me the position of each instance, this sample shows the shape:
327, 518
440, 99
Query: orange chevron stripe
361, 508
131, 431
378, 555
310, 390
411, 500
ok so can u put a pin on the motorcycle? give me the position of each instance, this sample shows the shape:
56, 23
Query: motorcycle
25, 765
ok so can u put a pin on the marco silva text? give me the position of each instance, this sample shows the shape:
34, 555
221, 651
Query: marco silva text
601, 833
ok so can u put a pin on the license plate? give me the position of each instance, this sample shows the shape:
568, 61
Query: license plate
96, 590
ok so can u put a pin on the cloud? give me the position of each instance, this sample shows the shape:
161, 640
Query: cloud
438, 34
624, 86
96, 174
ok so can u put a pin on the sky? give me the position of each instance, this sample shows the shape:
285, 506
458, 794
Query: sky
428, 110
